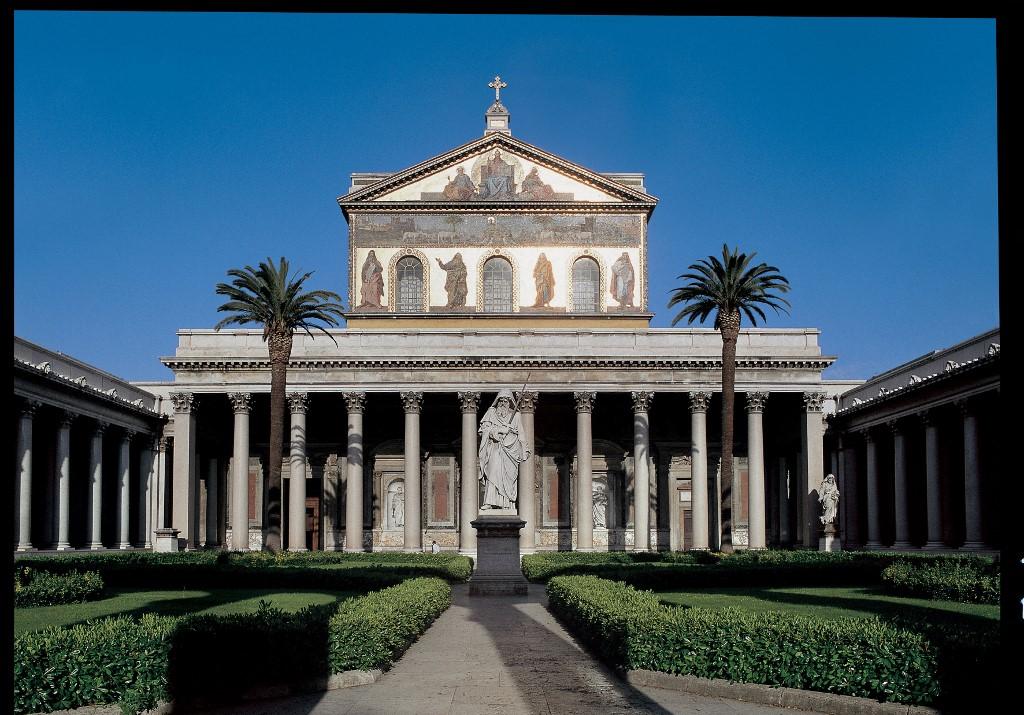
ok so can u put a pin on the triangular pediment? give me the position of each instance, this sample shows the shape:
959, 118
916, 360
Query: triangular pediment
496, 169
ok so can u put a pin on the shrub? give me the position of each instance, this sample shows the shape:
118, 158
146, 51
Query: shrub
951, 580
370, 632
865, 658
39, 588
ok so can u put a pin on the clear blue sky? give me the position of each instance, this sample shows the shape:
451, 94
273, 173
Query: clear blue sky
153, 151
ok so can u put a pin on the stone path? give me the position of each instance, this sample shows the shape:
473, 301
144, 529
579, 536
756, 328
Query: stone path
499, 655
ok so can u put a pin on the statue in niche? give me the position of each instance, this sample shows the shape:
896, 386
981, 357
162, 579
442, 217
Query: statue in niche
544, 277
501, 452
461, 188
534, 189
600, 505
621, 286
828, 497
372, 277
397, 508
497, 179
455, 283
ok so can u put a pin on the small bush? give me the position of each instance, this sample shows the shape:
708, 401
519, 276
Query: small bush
39, 588
950, 580
865, 658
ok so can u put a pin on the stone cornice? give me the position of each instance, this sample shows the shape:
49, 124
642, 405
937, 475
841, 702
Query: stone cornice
493, 207
43, 372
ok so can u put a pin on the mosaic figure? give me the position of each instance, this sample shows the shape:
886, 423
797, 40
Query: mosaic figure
497, 179
621, 286
534, 189
461, 188
544, 278
455, 283
372, 277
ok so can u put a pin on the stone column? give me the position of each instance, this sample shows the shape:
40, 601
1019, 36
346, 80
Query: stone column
931, 468
28, 411
527, 475
298, 402
699, 402
972, 478
355, 402
183, 499
160, 498
783, 501
755, 471
584, 471
900, 507
412, 403
94, 517
123, 493
812, 467
212, 502
470, 487
874, 508
241, 405
852, 470
147, 463
64, 480
641, 470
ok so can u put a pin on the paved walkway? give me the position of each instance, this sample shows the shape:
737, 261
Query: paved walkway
499, 655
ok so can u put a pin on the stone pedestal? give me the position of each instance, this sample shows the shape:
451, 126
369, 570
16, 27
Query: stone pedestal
498, 571
166, 541
830, 541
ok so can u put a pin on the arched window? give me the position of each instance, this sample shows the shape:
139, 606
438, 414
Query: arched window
410, 285
497, 286
586, 280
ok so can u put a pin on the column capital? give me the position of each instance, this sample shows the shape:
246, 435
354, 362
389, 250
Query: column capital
814, 401
527, 400
469, 401
128, 435
100, 427
66, 417
699, 401
298, 402
865, 433
184, 401
584, 401
926, 418
241, 402
965, 405
894, 426
412, 402
28, 407
355, 402
641, 400
755, 401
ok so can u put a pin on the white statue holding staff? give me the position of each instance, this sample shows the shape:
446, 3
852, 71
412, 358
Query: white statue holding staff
501, 452
828, 497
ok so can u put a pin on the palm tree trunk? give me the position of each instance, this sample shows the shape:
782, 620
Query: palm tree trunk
280, 351
730, 329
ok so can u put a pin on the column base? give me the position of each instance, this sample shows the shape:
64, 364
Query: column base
64, 547
903, 546
873, 546
757, 548
296, 551
95, 545
699, 548
148, 545
974, 546
934, 546
587, 549
124, 546
468, 552
24, 548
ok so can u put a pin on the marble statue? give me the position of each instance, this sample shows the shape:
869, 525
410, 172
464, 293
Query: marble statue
828, 497
621, 286
455, 283
501, 452
600, 505
544, 277
398, 507
372, 277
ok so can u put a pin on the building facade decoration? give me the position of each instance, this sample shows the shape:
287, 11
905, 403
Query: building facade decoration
298, 402
699, 401
241, 402
756, 400
372, 282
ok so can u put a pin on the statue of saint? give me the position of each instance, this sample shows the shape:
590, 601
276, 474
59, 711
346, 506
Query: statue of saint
501, 452
461, 188
398, 506
372, 277
621, 286
534, 189
544, 278
828, 497
600, 506
455, 283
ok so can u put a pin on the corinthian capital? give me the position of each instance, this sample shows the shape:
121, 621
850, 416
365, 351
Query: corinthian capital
412, 401
469, 401
642, 401
298, 402
814, 401
241, 402
584, 401
527, 400
29, 407
699, 401
755, 401
183, 401
355, 402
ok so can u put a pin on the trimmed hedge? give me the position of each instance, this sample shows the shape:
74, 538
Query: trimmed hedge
865, 658
964, 581
39, 588
223, 569
139, 663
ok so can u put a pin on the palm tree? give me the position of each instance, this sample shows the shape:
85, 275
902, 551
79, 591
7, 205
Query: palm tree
728, 288
268, 296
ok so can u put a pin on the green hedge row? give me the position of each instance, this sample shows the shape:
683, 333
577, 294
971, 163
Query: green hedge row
194, 659
40, 588
865, 658
962, 581
222, 569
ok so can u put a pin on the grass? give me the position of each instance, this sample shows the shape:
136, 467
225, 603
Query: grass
133, 601
834, 602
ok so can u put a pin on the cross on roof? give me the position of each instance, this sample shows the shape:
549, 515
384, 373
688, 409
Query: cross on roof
497, 85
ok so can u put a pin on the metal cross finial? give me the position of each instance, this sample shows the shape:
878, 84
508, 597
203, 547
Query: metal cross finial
497, 85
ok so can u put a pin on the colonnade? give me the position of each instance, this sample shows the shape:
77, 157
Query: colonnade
145, 490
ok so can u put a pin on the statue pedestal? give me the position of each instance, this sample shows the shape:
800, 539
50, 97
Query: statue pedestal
830, 541
498, 571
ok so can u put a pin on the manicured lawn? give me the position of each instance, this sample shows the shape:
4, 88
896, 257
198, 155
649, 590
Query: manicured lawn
173, 603
833, 602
